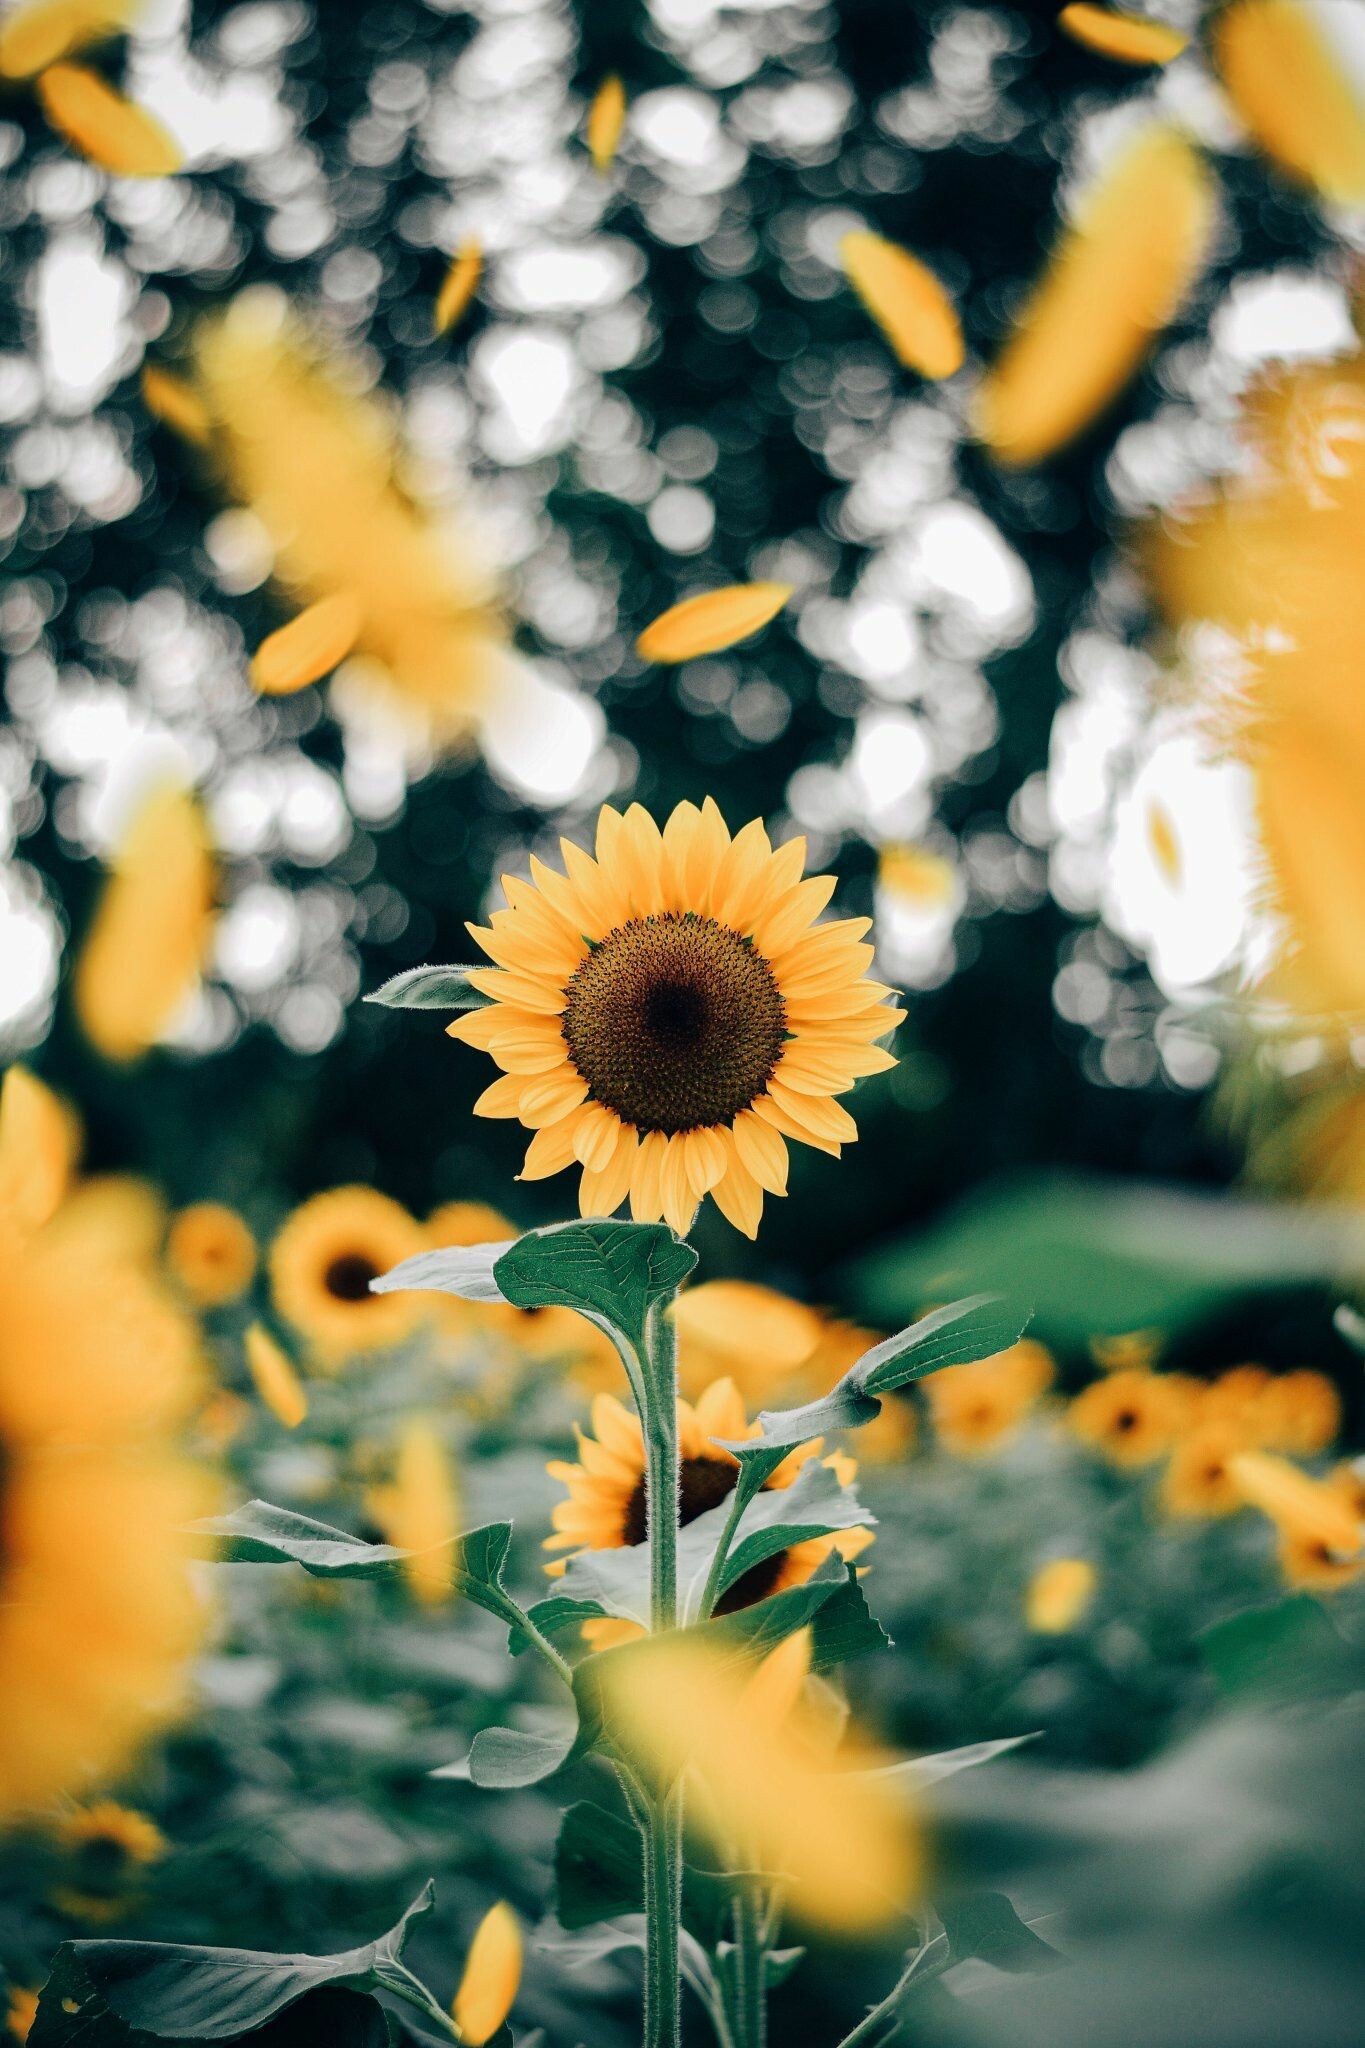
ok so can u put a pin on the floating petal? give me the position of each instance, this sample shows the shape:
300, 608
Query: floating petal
907, 302
309, 647
606, 119
42, 32
1295, 93
109, 130
461, 283
715, 620
1127, 38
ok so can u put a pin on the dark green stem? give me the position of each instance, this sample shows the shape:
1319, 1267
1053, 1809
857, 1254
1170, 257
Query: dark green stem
663, 1830
751, 1999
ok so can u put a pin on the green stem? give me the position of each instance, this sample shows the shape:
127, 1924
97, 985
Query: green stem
400, 1981
751, 2018
926, 1963
661, 1443
663, 1831
663, 1908
518, 1618
739, 1500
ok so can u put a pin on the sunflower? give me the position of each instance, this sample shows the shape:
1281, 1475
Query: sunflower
211, 1253
1198, 1484
98, 1617
760, 1339
1299, 1412
1129, 1350
105, 1846
1131, 1417
669, 1015
977, 1407
543, 1335
323, 1261
605, 1508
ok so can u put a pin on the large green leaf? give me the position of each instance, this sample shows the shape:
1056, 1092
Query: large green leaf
965, 1330
507, 1759
258, 1533
430, 988
1276, 1652
71, 2014
1098, 1256
159, 1991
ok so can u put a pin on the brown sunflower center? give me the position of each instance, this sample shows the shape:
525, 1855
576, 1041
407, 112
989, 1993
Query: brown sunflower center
674, 1022
704, 1483
348, 1277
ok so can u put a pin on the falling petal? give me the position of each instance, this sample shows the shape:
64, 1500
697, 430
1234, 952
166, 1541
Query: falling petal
461, 283
492, 1977
716, 619
1295, 93
1308, 1509
309, 647
38, 34
606, 119
109, 130
177, 405
907, 302
1127, 38
275, 1379
1059, 1595
1114, 282
419, 1512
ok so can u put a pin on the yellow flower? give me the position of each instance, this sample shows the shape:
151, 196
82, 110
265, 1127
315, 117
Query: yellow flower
1314, 1512
301, 444
1127, 38
109, 130
419, 1511
759, 1338
1198, 1482
460, 284
36, 33
39, 1142
842, 1834
492, 1977
1059, 1595
606, 119
308, 648
1299, 1412
1132, 1417
98, 1619
144, 951
115, 1216
22, 2011
543, 1335
668, 1015
715, 620
1115, 280
907, 302
977, 1407
211, 1253
1130, 1351
323, 1261
274, 1378
1307, 1558
1293, 88
106, 1845
605, 1508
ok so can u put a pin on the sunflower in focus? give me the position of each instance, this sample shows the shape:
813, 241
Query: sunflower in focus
1131, 1418
98, 1617
978, 1407
323, 1261
105, 1847
211, 1253
669, 1016
605, 1508
541, 1335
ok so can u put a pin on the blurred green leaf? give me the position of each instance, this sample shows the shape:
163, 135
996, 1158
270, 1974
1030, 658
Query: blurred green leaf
985, 1926
72, 2015
430, 988
1274, 1652
507, 1759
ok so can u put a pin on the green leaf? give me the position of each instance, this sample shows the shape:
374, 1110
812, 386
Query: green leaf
1101, 1257
430, 988
965, 1330
920, 1771
72, 2015
985, 1926
466, 1270
1273, 1652
159, 1991
599, 1875
588, 1945
614, 1273
507, 1759
815, 1504
261, 1534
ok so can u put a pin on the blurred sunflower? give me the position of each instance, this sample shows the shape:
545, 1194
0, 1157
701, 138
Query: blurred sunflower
1132, 1418
314, 457
544, 1335
977, 1407
668, 1015
323, 1260
418, 1511
99, 1618
106, 1846
1197, 1483
605, 1508
753, 1335
211, 1253
1299, 1412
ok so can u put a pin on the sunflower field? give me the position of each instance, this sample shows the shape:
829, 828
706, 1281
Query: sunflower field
682, 1023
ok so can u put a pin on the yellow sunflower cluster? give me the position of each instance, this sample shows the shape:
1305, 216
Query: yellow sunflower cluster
669, 1015
976, 1408
604, 1508
98, 1373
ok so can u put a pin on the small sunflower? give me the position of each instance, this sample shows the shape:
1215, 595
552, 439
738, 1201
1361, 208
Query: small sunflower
323, 1261
106, 1845
1131, 1417
1198, 1484
977, 1407
605, 1508
669, 1015
1299, 1412
211, 1253
1312, 1566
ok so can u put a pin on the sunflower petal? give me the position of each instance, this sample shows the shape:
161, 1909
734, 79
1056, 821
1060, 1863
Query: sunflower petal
177, 405
309, 647
1127, 38
606, 119
739, 1198
715, 620
38, 33
501, 1098
646, 1197
907, 302
1295, 93
602, 1193
459, 285
762, 1150
550, 1151
109, 130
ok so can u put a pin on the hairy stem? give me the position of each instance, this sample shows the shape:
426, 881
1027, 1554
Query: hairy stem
751, 1995
663, 1832
663, 1906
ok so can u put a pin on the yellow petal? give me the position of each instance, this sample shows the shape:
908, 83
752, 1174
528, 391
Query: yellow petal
461, 283
275, 1379
177, 405
1059, 1594
492, 1976
1127, 38
606, 119
109, 130
1299, 1506
308, 648
1114, 281
716, 619
1294, 91
907, 302
151, 929
39, 33
39, 1140
418, 1512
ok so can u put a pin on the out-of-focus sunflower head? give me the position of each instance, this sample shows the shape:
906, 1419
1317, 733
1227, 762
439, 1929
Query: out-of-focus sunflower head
418, 1510
321, 1265
976, 1408
1131, 1418
541, 1336
210, 1253
764, 1341
299, 440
